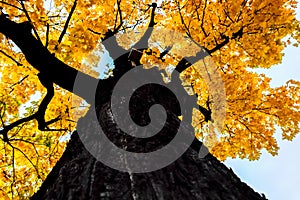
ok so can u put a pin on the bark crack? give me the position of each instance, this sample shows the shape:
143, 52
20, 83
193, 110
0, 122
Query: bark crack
92, 178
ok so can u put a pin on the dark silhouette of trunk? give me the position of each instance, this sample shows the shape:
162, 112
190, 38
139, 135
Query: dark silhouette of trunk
78, 175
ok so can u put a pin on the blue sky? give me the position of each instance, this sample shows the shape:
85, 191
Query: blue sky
277, 177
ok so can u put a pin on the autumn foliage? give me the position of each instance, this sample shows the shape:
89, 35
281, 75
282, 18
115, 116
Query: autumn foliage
239, 35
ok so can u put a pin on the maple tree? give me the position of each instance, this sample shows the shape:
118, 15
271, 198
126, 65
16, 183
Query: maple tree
240, 34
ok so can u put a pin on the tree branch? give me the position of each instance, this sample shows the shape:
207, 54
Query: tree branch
143, 42
10, 57
189, 61
119, 13
39, 115
184, 64
112, 45
9, 127
41, 59
29, 19
202, 20
5, 3
226, 40
182, 20
17, 83
95, 32
47, 35
34, 166
66, 24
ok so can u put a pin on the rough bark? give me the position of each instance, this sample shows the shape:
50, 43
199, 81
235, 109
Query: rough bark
78, 175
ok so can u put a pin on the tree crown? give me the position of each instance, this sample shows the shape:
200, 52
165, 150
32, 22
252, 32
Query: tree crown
240, 34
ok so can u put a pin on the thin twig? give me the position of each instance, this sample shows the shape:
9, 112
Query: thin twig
47, 35
12, 5
35, 167
26, 141
2, 115
66, 24
10, 57
20, 81
202, 20
119, 13
95, 32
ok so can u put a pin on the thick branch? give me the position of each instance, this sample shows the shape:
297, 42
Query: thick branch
41, 59
143, 42
29, 19
111, 45
189, 61
5, 129
184, 63
39, 115
226, 40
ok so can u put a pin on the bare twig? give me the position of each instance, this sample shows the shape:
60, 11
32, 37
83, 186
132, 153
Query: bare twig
66, 24
29, 160
182, 20
11, 5
19, 82
26, 141
95, 32
47, 35
10, 57
119, 13
202, 20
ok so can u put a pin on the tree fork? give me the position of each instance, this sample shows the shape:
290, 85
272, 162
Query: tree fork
41, 59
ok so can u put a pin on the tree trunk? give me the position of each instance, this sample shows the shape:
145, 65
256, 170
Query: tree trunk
78, 175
